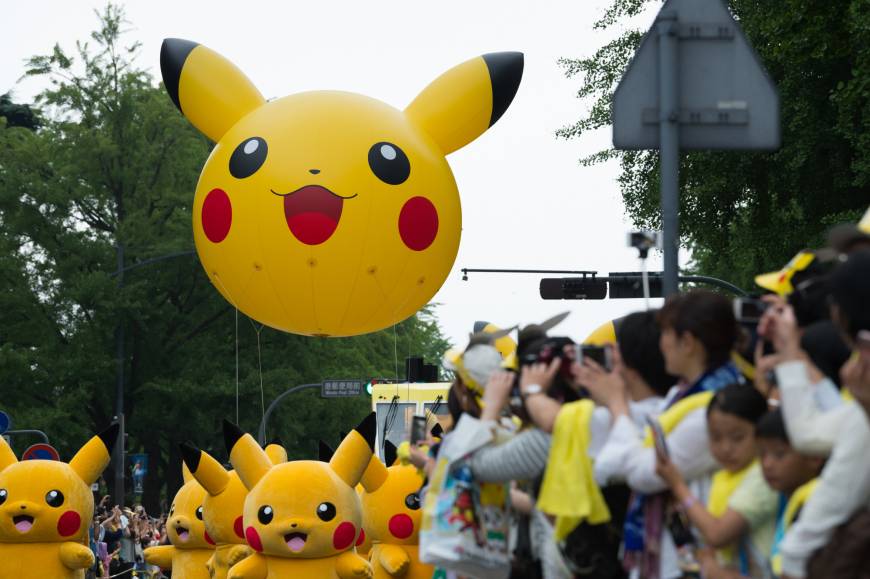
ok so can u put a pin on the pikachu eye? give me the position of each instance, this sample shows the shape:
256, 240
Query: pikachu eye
3, 495
389, 163
248, 157
199, 513
412, 501
54, 498
326, 511
265, 515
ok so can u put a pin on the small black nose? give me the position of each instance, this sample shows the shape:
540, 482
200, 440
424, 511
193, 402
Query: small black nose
23, 508
314, 171
291, 524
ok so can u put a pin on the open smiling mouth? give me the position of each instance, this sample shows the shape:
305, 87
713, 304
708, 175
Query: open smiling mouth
312, 213
183, 534
295, 541
23, 523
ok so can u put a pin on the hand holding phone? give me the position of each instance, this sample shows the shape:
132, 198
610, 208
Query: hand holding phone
418, 429
661, 443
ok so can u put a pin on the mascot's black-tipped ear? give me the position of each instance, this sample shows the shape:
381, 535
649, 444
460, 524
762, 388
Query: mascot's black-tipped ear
110, 436
391, 453
190, 455
505, 72
324, 451
437, 431
368, 429
232, 434
173, 54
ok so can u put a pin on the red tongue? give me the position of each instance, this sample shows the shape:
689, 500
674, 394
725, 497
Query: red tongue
312, 214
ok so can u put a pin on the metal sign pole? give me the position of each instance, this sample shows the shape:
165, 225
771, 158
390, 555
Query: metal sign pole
669, 156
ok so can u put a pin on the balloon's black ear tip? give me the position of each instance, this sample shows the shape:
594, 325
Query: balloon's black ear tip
505, 73
173, 54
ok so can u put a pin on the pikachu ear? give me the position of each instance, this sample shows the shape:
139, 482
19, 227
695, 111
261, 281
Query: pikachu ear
276, 452
208, 472
324, 451
93, 458
185, 473
375, 475
7, 457
353, 455
391, 453
466, 100
250, 461
207, 88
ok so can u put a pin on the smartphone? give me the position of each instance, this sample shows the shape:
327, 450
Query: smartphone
659, 439
600, 354
418, 429
749, 310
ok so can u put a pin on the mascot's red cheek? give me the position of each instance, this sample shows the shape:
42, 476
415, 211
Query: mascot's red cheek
344, 536
217, 215
239, 528
418, 223
401, 526
69, 524
253, 538
362, 537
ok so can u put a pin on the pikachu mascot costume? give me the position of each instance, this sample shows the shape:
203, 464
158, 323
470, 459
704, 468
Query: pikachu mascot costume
308, 191
391, 515
191, 546
46, 508
302, 518
222, 506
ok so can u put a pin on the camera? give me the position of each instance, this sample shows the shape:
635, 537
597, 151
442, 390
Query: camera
602, 355
644, 240
749, 310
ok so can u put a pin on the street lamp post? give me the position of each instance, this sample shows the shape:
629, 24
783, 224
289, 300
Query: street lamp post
261, 433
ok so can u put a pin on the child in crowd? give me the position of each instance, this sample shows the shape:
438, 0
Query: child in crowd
740, 515
790, 473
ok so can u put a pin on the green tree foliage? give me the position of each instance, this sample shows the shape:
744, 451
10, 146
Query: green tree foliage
741, 212
107, 177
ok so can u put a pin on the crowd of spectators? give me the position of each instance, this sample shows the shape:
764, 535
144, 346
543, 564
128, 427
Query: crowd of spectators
118, 537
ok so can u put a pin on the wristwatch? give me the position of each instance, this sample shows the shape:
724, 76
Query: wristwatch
531, 390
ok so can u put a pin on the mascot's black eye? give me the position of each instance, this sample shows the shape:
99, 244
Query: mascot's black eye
265, 515
199, 513
389, 163
3, 495
412, 501
248, 157
326, 511
54, 498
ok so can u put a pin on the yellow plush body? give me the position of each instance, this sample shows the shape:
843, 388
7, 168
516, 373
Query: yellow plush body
304, 192
46, 508
391, 516
191, 549
302, 518
222, 506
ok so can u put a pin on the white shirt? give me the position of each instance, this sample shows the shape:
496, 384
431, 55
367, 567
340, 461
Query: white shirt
610, 459
813, 414
845, 482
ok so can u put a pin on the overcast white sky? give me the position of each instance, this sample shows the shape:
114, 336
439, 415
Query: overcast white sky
526, 201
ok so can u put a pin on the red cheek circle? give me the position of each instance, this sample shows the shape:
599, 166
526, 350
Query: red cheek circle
239, 528
217, 215
418, 223
253, 538
344, 536
362, 537
208, 539
69, 524
401, 526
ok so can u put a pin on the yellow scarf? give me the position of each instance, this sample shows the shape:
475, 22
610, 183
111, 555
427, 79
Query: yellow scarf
670, 418
723, 486
569, 491
795, 502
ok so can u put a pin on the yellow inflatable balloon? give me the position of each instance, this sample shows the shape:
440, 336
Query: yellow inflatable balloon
330, 213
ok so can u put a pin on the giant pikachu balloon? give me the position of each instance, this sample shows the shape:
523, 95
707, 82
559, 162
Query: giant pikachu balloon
330, 213
46, 508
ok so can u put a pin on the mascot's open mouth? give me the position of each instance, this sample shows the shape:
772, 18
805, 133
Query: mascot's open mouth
23, 523
295, 541
183, 534
312, 213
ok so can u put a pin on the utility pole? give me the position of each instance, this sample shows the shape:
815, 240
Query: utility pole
119, 386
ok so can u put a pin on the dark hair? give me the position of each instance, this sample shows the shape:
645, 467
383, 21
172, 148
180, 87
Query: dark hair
740, 400
850, 286
454, 405
771, 426
638, 337
824, 344
709, 317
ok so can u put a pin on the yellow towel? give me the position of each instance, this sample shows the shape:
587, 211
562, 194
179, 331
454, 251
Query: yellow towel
723, 486
569, 491
670, 418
